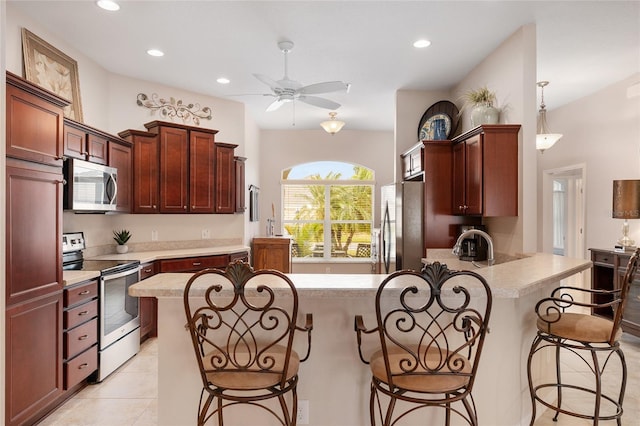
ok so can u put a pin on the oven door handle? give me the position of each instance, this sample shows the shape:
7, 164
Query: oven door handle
121, 274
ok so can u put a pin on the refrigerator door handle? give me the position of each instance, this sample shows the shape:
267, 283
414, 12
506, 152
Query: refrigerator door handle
386, 239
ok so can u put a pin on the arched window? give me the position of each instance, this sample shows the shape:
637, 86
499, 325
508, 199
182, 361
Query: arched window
328, 209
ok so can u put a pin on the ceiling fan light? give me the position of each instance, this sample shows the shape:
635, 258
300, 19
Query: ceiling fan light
109, 5
332, 126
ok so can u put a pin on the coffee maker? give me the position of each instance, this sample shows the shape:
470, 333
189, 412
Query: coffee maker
474, 247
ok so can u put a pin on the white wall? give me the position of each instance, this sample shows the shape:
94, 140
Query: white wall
601, 131
109, 104
510, 72
281, 149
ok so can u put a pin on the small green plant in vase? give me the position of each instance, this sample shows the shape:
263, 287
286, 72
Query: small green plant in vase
121, 237
483, 111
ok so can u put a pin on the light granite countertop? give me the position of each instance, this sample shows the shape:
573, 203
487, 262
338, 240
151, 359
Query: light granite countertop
74, 277
511, 279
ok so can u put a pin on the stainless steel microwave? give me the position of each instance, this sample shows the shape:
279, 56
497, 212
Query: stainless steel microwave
89, 187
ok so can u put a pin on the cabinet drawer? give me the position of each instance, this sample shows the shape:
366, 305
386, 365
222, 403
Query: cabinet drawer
148, 270
80, 293
80, 338
191, 264
79, 314
79, 368
600, 257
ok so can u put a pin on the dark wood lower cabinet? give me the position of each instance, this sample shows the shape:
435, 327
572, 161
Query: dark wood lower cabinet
34, 376
607, 273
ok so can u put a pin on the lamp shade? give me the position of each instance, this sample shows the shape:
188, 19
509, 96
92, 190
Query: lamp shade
332, 125
544, 138
626, 199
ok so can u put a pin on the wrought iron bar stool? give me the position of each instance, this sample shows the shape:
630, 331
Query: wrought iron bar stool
242, 324
431, 327
590, 337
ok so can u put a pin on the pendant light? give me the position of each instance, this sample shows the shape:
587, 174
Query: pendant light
332, 125
544, 138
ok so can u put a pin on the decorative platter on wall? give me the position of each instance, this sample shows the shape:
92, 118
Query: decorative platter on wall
441, 110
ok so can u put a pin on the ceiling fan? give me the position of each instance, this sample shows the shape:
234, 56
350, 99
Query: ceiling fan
287, 90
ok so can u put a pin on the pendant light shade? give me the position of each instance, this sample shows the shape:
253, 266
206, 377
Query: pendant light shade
544, 138
332, 125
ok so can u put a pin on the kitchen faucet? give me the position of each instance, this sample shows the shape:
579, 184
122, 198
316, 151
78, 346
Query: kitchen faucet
457, 247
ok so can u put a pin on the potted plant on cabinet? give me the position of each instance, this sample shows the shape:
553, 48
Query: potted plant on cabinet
483, 112
121, 237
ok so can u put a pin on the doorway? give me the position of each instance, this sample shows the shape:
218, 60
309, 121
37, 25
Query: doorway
563, 207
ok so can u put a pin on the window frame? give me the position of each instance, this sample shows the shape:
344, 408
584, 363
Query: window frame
327, 222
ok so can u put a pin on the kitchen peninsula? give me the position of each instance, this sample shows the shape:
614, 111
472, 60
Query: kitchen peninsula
334, 380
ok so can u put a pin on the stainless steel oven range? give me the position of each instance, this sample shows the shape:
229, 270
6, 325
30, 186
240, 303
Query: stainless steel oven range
118, 315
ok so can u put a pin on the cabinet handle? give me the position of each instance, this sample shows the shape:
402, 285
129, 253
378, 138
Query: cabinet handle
197, 263
83, 337
82, 293
184, 207
82, 313
154, 206
82, 366
459, 207
147, 271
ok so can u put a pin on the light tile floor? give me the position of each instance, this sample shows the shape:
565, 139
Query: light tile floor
129, 396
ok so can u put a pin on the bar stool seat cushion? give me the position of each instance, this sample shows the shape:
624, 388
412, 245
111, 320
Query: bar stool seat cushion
578, 327
250, 374
430, 378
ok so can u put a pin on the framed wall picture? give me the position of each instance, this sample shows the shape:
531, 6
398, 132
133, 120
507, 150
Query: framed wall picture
51, 69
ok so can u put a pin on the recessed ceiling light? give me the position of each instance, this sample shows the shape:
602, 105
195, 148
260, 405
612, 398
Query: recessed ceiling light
421, 43
109, 5
155, 52
223, 80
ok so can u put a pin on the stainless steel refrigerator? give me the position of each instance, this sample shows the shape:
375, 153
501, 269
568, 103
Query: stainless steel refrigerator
402, 226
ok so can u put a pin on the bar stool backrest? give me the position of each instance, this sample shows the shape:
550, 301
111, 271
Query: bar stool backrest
243, 316
433, 323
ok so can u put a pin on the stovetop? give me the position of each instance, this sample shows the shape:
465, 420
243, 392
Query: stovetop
73, 260
104, 266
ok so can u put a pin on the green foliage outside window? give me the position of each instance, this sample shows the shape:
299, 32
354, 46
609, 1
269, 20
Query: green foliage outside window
350, 214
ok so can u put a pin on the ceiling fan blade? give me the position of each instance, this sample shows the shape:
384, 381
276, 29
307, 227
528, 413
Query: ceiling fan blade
252, 94
268, 81
319, 102
275, 105
326, 87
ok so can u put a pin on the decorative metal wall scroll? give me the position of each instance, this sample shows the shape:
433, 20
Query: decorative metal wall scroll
174, 109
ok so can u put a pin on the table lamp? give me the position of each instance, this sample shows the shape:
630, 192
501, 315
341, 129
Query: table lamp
626, 205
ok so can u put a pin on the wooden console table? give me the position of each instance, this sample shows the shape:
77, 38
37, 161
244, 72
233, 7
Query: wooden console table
607, 273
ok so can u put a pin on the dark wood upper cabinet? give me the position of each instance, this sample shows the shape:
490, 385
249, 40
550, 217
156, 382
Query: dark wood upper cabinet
34, 122
241, 205
86, 143
121, 157
146, 157
485, 171
201, 172
225, 180
174, 172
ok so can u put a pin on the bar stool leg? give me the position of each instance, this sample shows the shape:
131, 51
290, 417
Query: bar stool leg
534, 346
559, 380
597, 372
623, 385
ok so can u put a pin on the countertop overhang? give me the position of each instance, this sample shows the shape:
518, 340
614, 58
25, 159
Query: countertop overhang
74, 277
512, 279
